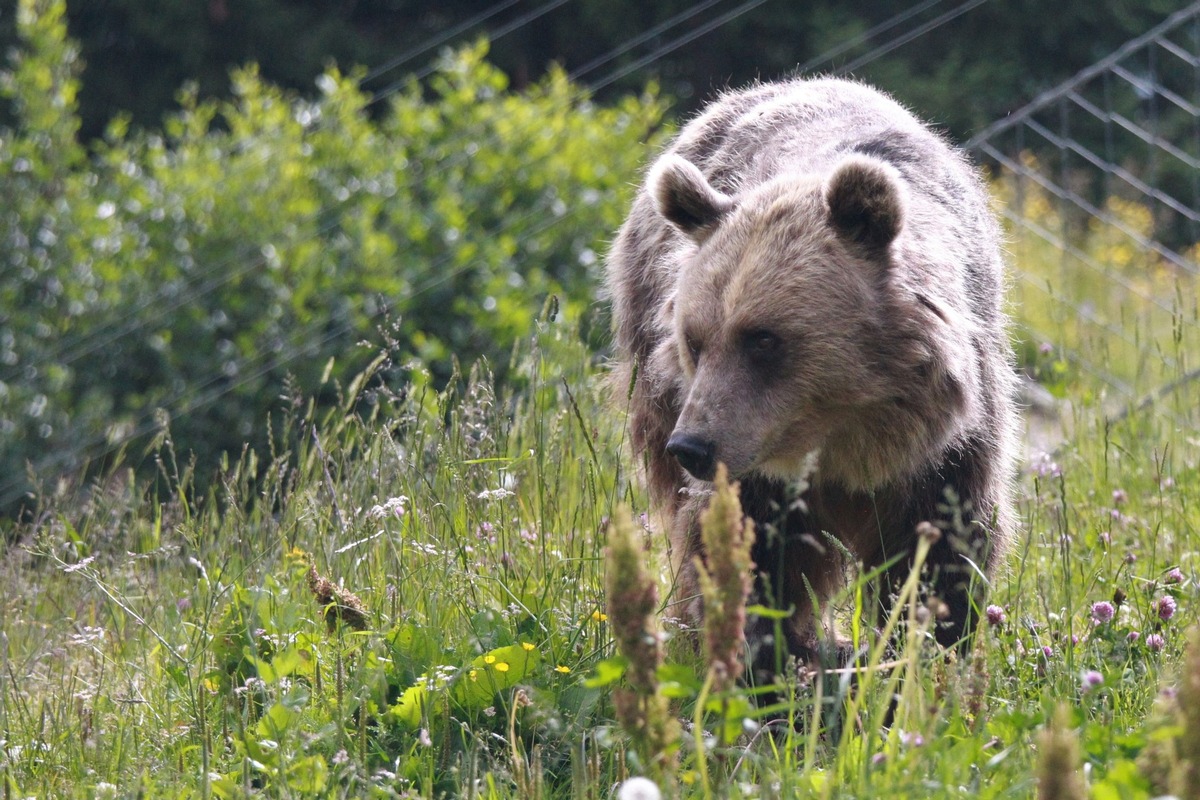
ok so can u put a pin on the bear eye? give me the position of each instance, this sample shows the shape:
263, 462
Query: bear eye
761, 345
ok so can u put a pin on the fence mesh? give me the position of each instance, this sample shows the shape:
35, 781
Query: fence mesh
1100, 178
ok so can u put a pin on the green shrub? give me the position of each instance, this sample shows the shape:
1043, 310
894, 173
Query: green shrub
214, 267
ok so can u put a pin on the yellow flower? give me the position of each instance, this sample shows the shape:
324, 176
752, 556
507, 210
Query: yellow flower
501, 667
489, 659
473, 674
527, 647
599, 616
562, 669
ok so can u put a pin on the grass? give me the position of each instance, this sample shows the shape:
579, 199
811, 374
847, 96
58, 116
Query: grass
159, 645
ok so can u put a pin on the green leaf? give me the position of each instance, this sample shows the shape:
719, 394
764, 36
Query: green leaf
308, 775
678, 681
607, 672
494, 671
768, 613
408, 709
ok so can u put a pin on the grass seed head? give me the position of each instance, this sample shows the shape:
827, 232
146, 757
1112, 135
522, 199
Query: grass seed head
1058, 772
726, 579
340, 605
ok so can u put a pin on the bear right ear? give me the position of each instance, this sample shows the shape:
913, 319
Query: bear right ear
866, 201
687, 200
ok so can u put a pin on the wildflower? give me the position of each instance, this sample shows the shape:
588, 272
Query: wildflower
1092, 679
995, 615
490, 711
1044, 466
1102, 612
501, 666
599, 616
563, 669
1119, 496
473, 675
1133, 636
1045, 348
494, 494
424, 739
79, 564
1165, 607
527, 647
340, 757
392, 507
1047, 651
183, 604
1174, 575
1155, 642
639, 789
489, 659
928, 531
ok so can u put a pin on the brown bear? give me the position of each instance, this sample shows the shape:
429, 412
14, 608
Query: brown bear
808, 288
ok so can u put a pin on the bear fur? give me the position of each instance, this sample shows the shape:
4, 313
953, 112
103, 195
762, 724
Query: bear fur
808, 269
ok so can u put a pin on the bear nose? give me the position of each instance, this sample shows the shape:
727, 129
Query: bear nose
694, 454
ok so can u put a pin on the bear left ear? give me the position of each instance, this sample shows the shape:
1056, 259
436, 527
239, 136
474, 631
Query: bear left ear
685, 197
865, 200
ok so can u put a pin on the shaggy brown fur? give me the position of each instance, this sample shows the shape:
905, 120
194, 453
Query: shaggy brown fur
809, 269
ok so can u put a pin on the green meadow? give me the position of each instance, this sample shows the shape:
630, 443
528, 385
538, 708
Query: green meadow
402, 588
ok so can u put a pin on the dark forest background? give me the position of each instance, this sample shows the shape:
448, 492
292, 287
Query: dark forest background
963, 74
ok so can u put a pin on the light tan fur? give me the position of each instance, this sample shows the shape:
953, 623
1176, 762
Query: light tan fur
808, 269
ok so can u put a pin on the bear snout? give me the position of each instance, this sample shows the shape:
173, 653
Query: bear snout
696, 455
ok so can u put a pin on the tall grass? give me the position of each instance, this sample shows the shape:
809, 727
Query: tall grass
157, 644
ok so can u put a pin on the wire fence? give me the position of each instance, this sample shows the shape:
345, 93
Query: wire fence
1101, 184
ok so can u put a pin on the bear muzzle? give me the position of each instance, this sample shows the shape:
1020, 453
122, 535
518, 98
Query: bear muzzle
696, 455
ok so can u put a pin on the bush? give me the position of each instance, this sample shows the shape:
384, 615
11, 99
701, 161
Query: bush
254, 244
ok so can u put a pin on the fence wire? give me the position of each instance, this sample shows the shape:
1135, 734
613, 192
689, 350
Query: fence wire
1100, 184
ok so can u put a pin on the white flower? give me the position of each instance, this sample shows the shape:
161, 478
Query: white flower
79, 565
494, 494
392, 507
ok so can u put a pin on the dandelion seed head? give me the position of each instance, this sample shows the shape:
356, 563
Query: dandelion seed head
639, 789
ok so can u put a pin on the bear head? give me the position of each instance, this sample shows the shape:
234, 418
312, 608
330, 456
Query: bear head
779, 317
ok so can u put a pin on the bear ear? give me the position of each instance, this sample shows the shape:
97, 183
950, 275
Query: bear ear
686, 198
866, 201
